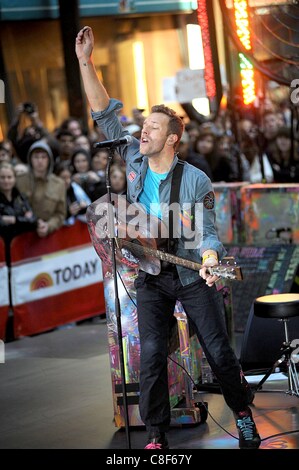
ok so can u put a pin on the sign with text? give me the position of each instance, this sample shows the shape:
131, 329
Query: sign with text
54, 281
190, 84
55, 274
185, 86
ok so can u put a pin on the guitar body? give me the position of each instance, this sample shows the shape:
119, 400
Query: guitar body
131, 224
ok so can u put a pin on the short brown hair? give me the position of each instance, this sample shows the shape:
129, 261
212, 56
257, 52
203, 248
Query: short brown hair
175, 125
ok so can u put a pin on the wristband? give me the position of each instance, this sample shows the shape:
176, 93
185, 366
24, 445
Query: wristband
210, 255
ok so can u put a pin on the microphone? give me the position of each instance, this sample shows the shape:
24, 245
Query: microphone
125, 140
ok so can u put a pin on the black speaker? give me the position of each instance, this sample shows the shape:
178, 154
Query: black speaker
262, 340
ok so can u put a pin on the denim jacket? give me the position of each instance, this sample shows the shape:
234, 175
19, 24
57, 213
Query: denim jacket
195, 188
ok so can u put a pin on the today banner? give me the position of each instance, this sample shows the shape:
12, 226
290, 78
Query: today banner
55, 281
54, 274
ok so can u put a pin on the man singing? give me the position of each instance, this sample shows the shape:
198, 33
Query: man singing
151, 164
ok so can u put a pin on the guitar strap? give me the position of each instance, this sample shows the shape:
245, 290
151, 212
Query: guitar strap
174, 197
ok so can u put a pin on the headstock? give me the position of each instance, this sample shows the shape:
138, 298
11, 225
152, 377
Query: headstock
227, 269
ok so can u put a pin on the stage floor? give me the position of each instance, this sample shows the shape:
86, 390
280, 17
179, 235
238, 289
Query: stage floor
56, 394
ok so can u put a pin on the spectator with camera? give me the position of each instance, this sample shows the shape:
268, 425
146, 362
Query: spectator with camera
23, 139
45, 191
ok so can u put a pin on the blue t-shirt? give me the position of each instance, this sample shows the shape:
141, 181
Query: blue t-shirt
149, 196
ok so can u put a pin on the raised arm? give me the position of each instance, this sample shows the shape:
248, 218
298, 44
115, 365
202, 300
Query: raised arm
95, 91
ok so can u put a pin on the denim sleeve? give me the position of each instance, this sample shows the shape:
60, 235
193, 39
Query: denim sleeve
210, 237
111, 126
108, 121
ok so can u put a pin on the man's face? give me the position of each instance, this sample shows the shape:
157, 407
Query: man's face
154, 134
66, 143
40, 162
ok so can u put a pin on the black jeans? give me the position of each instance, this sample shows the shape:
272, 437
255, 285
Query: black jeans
156, 298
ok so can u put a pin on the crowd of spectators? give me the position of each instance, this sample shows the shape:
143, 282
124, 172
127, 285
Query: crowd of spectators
47, 179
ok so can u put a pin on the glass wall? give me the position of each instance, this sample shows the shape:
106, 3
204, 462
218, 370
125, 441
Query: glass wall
132, 55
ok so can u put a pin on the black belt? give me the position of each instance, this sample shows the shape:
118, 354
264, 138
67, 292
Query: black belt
166, 266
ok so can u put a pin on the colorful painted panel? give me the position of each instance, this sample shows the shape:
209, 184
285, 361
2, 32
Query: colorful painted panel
271, 213
180, 349
228, 214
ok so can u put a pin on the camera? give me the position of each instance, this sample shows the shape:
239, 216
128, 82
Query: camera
28, 108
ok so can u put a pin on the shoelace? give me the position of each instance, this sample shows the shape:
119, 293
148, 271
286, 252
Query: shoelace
246, 426
153, 445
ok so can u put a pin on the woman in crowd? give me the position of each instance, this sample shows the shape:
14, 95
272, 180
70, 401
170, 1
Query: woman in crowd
99, 160
82, 174
16, 215
118, 179
260, 171
285, 163
204, 146
76, 198
82, 142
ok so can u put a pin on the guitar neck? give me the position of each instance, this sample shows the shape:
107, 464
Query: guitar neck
160, 255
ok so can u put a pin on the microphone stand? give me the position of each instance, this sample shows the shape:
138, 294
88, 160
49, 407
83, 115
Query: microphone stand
111, 230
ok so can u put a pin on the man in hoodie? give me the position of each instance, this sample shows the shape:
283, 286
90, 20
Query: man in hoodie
44, 190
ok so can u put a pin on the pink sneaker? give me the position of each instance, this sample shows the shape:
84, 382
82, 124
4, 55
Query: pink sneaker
157, 441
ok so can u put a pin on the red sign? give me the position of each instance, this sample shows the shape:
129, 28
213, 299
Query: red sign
54, 280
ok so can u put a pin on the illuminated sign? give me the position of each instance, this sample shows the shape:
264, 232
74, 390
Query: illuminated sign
258, 3
242, 22
241, 12
203, 22
247, 79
